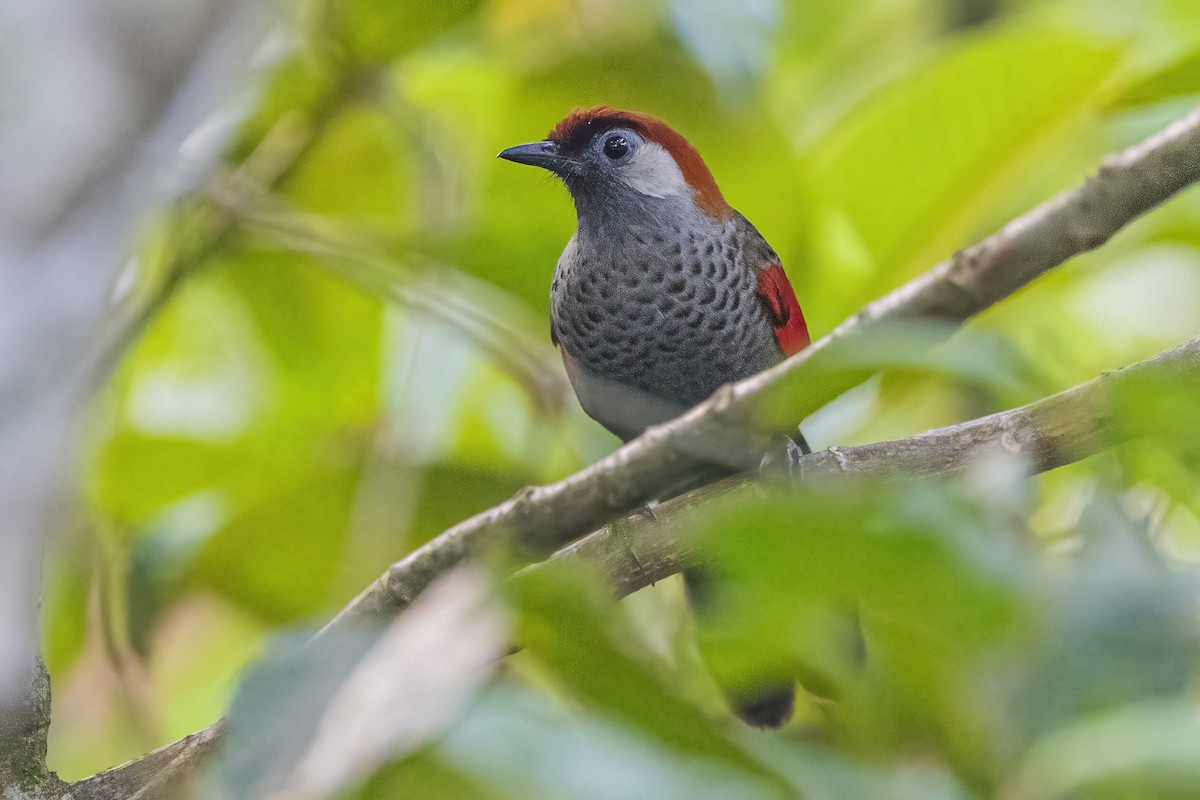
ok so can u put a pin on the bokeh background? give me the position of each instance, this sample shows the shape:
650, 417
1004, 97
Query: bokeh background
338, 346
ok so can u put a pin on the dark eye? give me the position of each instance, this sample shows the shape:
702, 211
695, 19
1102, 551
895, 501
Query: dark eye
615, 147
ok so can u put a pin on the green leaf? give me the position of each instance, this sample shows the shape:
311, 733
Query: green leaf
1142, 750
563, 621
381, 30
279, 555
901, 177
64, 618
521, 744
358, 170
883, 598
428, 776
1179, 78
971, 358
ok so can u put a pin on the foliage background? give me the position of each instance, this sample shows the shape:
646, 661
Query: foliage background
340, 347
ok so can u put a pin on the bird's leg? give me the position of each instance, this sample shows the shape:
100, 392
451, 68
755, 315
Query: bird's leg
647, 510
786, 457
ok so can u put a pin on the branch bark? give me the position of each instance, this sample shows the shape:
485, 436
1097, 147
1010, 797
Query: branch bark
637, 551
1070, 426
164, 774
642, 549
540, 519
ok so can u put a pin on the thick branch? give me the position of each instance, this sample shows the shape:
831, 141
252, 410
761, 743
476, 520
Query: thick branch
160, 775
636, 552
642, 549
23, 740
540, 519
1067, 427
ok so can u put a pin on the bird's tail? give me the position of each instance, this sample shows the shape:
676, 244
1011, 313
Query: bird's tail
768, 703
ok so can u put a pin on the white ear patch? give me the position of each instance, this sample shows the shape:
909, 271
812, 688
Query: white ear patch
652, 171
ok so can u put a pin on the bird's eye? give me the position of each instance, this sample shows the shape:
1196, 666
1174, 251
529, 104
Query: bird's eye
615, 147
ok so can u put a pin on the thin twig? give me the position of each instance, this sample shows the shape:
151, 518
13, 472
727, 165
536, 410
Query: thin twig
543, 518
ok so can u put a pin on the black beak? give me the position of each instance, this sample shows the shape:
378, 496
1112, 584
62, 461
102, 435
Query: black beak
538, 154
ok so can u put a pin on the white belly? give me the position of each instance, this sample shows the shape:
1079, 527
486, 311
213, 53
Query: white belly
622, 409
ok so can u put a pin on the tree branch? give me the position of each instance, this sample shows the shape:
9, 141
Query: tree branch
540, 519
636, 551
641, 549
164, 773
23, 742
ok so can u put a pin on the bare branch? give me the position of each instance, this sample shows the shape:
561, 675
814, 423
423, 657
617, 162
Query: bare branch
639, 550
540, 519
163, 774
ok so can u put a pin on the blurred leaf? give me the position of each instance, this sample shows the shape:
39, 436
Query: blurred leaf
562, 620
901, 174
1146, 750
1161, 409
976, 359
450, 493
358, 171
1161, 405
424, 775
827, 774
299, 532
1118, 626
317, 718
796, 573
1178, 78
379, 30
299, 92
67, 585
523, 745
324, 337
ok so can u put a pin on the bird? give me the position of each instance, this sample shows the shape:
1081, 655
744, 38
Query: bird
664, 293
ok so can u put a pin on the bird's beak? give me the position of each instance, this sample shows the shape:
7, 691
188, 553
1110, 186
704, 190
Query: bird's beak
539, 154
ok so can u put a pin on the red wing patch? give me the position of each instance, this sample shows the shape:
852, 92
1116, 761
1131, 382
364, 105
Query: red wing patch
780, 301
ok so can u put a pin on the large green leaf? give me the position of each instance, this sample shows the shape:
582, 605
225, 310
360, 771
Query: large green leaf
903, 176
883, 599
563, 622
379, 30
1179, 78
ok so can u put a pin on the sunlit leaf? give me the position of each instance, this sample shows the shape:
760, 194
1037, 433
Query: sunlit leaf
901, 175
1178, 78
378, 30
567, 629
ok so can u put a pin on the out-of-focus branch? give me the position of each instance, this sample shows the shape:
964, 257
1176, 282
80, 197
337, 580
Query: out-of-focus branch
270, 164
362, 262
164, 774
119, 89
540, 519
1058, 430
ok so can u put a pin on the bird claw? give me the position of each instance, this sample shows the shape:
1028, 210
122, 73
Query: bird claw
785, 459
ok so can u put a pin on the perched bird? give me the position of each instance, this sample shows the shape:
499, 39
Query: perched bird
665, 292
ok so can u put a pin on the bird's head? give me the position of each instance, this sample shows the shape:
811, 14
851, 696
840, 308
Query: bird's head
611, 159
